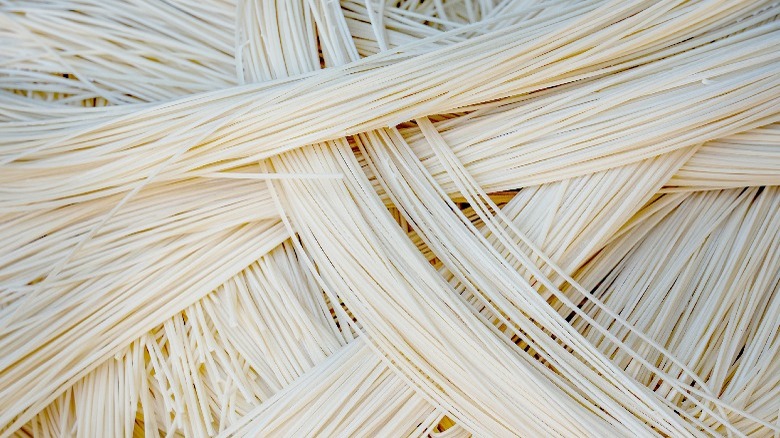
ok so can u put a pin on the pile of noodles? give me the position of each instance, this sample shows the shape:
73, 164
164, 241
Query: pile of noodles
419, 218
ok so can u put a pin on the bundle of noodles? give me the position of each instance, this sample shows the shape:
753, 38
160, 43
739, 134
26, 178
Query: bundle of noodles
389, 218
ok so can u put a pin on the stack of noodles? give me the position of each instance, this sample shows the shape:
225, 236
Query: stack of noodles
403, 218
